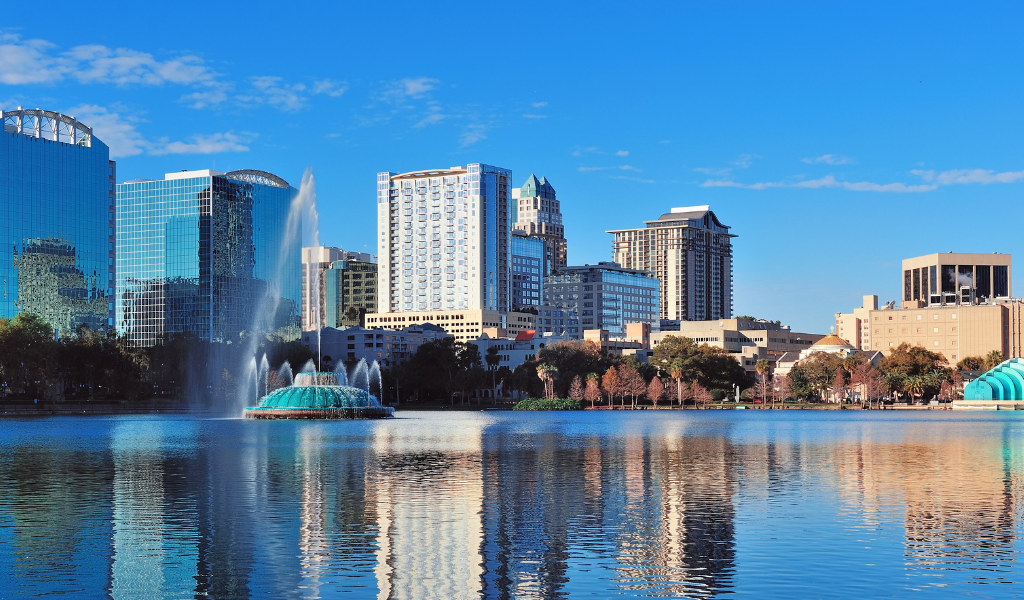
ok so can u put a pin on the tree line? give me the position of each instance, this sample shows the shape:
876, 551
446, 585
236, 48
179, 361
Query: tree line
36, 366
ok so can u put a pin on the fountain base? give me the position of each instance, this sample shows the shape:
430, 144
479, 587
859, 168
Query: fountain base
318, 396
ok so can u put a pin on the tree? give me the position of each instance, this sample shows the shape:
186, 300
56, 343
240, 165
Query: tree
525, 379
906, 363
593, 392
675, 371
958, 385
611, 384
713, 367
762, 367
571, 358
632, 383
547, 375
655, 391
576, 391
839, 385
993, 359
971, 363
868, 379
684, 393
761, 389
781, 388
493, 360
701, 395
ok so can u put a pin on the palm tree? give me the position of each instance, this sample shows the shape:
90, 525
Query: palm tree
493, 360
675, 371
914, 385
547, 375
762, 367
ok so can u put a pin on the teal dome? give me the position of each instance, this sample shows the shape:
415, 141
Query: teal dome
334, 396
317, 396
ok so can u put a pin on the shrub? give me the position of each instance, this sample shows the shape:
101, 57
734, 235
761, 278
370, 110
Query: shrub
548, 404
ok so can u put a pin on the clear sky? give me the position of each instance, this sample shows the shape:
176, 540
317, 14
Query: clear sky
835, 140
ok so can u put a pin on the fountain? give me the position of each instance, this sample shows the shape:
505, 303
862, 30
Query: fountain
320, 395
313, 394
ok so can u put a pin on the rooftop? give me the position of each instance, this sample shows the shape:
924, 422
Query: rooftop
46, 124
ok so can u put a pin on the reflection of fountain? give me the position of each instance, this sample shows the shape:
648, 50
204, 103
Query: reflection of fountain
318, 395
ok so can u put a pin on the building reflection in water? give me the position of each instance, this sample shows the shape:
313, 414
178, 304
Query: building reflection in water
484, 506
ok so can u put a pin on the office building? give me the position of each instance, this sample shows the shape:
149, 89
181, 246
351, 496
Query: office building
351, 292
444, 240
605, 296
746, 340
552, 320
855, 326
386, 346
463, 325
332, 279
537, 213
950, 279
527, 264
206, 253
690, 251
57, 219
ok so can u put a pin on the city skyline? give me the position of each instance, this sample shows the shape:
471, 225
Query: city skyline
872, 126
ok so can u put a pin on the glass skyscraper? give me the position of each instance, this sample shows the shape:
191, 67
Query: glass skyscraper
56, 215
527, 270
206, 253
606, 296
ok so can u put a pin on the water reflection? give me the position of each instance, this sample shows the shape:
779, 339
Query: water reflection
506, 506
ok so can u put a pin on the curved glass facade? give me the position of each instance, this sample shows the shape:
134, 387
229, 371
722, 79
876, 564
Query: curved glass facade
205, 254
56, 212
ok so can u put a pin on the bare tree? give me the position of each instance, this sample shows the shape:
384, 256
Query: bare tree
632, 383
701, 395
576, 389
655, 391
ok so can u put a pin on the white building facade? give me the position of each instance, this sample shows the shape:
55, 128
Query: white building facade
444, 239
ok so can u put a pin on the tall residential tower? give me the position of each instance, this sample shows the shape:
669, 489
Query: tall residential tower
690, 251
444, 239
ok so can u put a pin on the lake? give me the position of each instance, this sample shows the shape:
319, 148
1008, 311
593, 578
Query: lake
760, 504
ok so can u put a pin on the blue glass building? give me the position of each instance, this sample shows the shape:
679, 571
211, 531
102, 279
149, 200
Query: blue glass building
56, 215
527, 270
606, 296
206, 253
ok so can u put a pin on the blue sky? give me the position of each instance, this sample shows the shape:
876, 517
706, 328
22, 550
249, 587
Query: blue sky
835, 140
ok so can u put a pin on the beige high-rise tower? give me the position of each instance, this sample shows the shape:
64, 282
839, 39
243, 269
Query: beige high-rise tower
538, 213
690, 251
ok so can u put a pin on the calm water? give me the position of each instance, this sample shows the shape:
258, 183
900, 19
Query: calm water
507, 505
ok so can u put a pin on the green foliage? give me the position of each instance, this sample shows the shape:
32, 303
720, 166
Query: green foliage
712, 367
915, 371
548, 404
971, 363
571, 359
441, 368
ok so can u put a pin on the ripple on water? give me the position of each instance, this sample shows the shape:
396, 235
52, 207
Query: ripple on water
458, 505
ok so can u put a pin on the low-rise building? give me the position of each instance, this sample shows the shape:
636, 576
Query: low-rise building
515, 350
746, 340
463, 325
386, 346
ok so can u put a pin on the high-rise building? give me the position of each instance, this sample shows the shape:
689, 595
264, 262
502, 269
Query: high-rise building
317, 262
536, 211
57, 219
949, 279
527, 270
605, 296
444, 239
351, 290
690, 252
206, 253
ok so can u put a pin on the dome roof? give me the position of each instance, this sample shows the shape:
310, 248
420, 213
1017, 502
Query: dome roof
334, 396
832, 340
